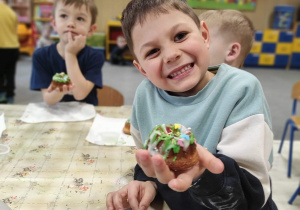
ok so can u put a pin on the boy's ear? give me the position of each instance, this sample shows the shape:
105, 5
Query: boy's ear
53, 23
204, 32
233, 53
92, 29
138, 66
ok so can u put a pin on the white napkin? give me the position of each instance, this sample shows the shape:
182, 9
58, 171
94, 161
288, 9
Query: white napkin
61, 112
108, 131
2, 123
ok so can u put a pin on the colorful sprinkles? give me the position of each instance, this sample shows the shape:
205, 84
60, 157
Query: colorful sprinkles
174, 136
61, 77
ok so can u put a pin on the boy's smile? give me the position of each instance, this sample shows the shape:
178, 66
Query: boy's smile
172, 52
181, 71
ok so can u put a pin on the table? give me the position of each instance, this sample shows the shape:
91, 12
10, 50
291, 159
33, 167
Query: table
52, 166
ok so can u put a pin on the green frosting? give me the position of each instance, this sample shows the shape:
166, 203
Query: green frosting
174, 136
61, 77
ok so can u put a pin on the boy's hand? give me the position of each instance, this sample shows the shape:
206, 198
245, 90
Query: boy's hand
64, 89
135, 195
75, 44
155, 166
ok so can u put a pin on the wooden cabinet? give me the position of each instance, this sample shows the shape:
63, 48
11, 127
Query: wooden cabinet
114, 30
23, 10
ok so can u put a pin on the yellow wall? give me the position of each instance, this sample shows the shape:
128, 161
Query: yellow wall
262, 17
107, 10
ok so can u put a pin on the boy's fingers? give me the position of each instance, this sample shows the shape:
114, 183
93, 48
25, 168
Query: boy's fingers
109, 201
67, 88
125, 201
162, 171
144, 160
133, 199
70, 87
81, 38
50, 89
209, 161
113, 200
146, 200
64, 88
117, 201
70, 36
184, 180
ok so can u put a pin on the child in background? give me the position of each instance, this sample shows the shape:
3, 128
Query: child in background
74, 21
9, 52
226, 111
117, 54
231, 36
45, 39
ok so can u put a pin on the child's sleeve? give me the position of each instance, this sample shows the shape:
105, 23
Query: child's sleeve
245, 148
233, 189
136, 135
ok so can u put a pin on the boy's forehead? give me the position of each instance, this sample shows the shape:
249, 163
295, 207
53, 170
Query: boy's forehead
154, 15
63, 6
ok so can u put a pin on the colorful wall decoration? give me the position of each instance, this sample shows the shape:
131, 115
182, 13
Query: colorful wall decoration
223, 4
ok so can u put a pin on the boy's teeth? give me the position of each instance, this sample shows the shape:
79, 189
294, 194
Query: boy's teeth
181, 71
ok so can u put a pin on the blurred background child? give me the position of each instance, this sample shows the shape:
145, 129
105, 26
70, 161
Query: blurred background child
45, 39
231, 36
117, 54
9, 52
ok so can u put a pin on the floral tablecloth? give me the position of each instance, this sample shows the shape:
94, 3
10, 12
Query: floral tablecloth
52, 166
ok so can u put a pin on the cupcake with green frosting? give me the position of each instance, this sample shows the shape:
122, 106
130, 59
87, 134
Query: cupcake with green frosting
60, 79
176, 143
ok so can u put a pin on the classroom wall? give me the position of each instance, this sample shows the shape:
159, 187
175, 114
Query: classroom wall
107, 10
262, 16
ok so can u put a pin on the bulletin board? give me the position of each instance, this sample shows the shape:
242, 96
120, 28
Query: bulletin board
223, 4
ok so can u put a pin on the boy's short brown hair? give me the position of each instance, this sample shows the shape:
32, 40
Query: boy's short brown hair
90, 5
137, 11
234, 22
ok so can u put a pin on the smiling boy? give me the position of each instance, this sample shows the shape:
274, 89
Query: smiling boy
74, 21
227, 112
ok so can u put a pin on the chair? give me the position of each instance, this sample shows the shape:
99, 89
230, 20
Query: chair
297, 192
108, 96
294, 122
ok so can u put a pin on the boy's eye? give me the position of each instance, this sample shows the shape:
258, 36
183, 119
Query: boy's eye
180, 36
63, 16
151, 52
80, 19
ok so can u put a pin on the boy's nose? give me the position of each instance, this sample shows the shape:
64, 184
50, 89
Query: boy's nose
172, 55
71, 24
